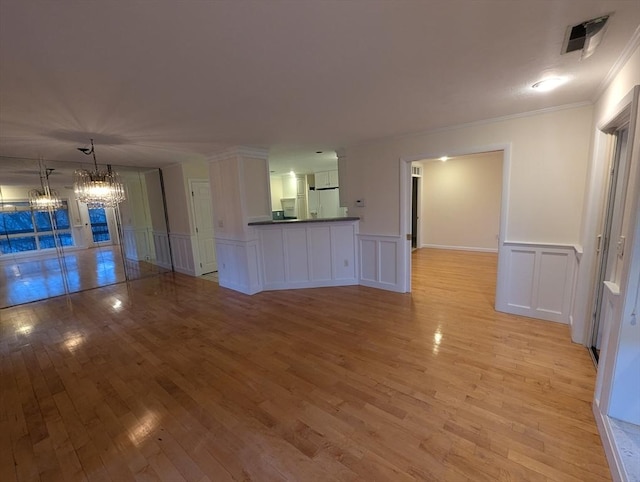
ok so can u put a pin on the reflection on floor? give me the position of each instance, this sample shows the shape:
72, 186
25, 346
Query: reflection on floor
31, 279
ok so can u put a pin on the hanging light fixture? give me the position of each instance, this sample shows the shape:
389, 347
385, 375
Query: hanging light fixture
98, 189
44, 198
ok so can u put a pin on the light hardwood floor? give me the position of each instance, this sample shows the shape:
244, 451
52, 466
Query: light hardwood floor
35, 278
174, 378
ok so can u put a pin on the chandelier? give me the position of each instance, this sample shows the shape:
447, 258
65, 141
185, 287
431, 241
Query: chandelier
45, 198
98, 189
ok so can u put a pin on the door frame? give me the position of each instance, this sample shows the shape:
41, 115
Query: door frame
405, 206
113, 226
613, 208
195, 246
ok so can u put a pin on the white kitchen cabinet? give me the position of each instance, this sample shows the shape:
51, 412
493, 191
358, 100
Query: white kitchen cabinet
301, 185
326, 179
333, 179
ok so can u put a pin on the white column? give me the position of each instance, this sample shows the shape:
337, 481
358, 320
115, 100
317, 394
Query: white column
240, 193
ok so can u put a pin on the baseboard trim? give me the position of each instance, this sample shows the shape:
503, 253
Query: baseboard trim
460, 248
369, 283
616, 467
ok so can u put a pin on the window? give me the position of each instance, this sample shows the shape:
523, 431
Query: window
99, 226
24, 230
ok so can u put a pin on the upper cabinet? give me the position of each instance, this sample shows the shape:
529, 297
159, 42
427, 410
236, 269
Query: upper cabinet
326, 179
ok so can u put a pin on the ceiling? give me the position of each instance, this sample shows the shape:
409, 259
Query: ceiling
160, 82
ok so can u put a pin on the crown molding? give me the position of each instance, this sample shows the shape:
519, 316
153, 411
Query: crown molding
627, 52
493, 120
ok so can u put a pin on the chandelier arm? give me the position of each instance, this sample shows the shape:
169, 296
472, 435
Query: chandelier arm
93, 151
41, 176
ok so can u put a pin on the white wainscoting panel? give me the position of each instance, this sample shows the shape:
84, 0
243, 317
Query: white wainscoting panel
308, 255
273, 243
239, 265
521, 274
137, 243
296, 261
537, 281
380, 262
343, 246
320, 245
161, 247
182, 251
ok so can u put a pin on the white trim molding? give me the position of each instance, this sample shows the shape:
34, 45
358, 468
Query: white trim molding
616, 464
182, 253
538, 280
162, 250
381, 261
460, 248
137, 243
308, 255
239, 265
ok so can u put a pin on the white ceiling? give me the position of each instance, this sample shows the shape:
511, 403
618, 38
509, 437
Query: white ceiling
157, 82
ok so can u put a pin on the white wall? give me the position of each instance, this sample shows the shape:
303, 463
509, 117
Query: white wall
460, 202
549, 154
156, 205
177, 201
134, 210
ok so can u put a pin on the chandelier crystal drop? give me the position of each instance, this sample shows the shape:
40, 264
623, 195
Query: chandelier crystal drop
98, 188
45, 198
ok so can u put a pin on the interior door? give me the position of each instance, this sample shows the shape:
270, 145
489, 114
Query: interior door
203, 217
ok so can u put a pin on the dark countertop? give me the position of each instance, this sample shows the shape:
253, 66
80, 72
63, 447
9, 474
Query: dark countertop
300, 221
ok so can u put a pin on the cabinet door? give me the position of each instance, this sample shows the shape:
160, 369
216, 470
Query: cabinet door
333, 179
301, 184
322, 179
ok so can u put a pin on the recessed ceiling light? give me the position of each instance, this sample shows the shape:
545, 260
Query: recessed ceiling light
545, 85
444, 158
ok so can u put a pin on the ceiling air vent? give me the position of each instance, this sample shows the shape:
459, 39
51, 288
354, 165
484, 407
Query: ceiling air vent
585, 36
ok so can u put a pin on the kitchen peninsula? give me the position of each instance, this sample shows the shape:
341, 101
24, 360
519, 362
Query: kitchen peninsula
308, 253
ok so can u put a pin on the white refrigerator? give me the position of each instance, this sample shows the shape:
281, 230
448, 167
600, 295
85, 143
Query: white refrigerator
325, 203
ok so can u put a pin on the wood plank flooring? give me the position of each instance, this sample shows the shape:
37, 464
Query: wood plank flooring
174, 378
27, 279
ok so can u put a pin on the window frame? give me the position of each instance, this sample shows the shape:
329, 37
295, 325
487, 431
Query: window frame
22, 205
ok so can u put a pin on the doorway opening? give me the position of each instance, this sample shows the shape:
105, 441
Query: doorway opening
440, 209
415, 206
607, 264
